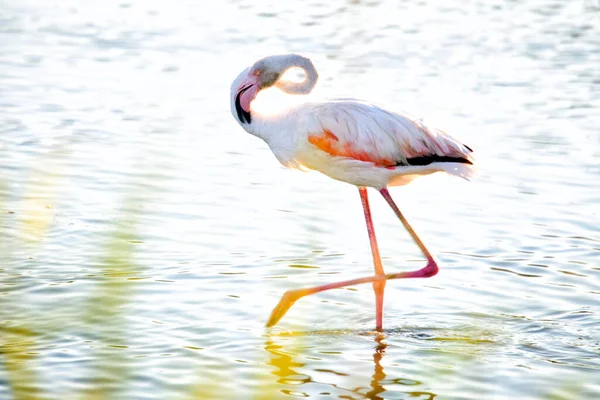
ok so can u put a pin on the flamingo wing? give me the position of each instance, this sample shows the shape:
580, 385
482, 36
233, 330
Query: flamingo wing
364, 132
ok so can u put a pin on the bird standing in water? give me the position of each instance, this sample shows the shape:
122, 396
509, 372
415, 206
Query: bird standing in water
351, 141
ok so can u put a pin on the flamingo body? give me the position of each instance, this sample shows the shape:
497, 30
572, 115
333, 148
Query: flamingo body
359, 143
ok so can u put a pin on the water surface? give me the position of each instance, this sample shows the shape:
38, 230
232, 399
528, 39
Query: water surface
145, 237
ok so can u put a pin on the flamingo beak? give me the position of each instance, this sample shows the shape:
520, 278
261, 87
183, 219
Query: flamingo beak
247, 92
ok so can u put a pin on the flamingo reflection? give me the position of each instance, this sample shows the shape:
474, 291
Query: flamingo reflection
286, 368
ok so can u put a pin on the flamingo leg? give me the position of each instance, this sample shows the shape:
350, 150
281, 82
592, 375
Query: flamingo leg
291, 296
431, 267
378, 286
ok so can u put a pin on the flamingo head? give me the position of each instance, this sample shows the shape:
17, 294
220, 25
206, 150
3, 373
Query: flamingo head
267, 72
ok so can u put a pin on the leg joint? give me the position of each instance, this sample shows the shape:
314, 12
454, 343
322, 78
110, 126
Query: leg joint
430, 269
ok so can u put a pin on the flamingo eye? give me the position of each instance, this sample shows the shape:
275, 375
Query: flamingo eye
256, 73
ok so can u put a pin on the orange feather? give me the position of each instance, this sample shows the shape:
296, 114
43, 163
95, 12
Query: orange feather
329, 143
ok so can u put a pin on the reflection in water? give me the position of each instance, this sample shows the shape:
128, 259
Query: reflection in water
378, 375
17, 351
284, 363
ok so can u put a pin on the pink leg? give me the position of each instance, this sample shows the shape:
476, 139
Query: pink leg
431, 268
291, 296
379, 286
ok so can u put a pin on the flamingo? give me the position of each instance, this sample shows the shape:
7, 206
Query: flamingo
351, 141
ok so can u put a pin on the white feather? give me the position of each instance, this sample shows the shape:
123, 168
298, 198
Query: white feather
369, 129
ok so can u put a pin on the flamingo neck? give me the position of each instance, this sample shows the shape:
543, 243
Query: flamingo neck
279, 132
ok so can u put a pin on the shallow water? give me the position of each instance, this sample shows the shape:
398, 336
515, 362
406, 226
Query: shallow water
145, 237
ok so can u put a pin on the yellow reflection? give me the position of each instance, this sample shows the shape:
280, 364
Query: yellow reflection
17, 358
104, 310
284, 364
40, 194
289, 371
378, 375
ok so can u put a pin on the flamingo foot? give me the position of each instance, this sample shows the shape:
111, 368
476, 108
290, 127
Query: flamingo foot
291, 296
287, 301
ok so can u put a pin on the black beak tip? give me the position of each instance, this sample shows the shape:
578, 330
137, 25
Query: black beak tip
243, 115
246, 115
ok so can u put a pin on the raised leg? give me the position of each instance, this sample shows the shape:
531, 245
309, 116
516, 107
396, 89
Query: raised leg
430, 261
379, 286
291, 296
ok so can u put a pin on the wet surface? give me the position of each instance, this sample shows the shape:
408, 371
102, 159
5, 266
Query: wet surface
145, 237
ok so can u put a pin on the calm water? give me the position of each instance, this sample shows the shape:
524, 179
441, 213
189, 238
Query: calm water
144, 237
